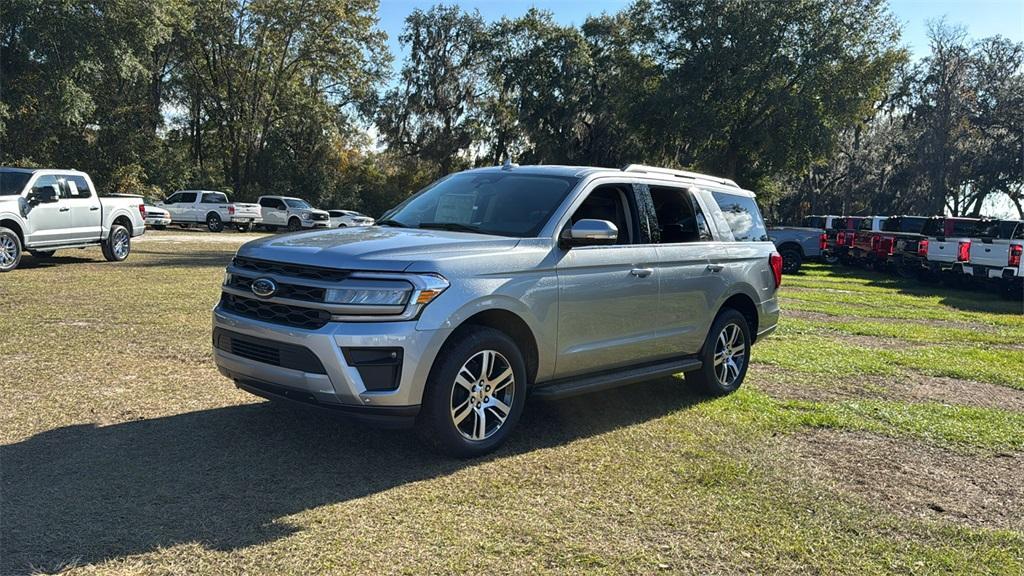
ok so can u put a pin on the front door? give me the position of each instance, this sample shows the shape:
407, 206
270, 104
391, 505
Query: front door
607, 295
49, 223
274, 211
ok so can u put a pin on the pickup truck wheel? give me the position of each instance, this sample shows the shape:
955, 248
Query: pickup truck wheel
726, 355
118, 244
294, 225
214, 223
245, 227
10, 250
474, 394
791, 260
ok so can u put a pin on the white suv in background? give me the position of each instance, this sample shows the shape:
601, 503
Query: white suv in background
291, 213
346, 218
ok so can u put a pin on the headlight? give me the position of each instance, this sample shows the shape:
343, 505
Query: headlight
305, 216
370, 293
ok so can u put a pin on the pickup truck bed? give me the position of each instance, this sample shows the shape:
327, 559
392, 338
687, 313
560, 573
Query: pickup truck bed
797, 244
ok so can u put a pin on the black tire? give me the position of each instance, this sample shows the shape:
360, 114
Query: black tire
830, 259
10, 250
294, 224
118, 244
245, 228
792, 259
436, 424
159, 227
214, 223
42, 254
707, 377
1009, 288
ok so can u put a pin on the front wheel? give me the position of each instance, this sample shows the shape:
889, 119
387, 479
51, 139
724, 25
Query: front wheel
214, 223
10, 250
294, 225
725, 356
474, 395
118, 244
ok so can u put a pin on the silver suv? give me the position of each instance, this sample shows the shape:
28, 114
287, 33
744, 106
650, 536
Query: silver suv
495, 282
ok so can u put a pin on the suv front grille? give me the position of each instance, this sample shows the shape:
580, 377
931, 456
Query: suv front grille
296, 316
289, 291
321, 217
309, 272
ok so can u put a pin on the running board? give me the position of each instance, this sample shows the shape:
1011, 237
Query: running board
585, 384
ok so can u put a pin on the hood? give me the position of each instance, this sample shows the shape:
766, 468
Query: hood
373, 248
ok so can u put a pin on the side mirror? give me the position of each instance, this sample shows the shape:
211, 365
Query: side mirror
43, 195
589, 232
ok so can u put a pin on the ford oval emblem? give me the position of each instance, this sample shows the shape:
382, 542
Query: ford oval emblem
264, 287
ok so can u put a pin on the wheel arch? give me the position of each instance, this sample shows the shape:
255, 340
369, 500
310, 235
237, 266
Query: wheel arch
745, 305
791, 244
15, 226
512, 325
212, 213
125, 221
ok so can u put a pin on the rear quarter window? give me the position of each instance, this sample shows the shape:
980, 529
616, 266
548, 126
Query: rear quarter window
743, 217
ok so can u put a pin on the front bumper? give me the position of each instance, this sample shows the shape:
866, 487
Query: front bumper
333, 383
316, 223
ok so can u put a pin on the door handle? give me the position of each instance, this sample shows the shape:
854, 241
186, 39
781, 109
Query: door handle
715, 268
641, 272
65, 209
94, 208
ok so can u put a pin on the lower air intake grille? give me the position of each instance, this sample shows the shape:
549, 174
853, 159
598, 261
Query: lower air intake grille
267, 351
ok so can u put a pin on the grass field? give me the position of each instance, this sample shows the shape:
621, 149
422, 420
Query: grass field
881, 430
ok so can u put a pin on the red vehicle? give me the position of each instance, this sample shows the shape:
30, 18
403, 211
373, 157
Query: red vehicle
839, 237
867, 247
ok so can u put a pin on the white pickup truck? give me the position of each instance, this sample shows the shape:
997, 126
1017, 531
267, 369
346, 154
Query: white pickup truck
997, 255
189, 207
948, 245
47, 210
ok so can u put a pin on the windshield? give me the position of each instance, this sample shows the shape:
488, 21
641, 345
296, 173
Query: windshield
12, 183
488, 203
296, 203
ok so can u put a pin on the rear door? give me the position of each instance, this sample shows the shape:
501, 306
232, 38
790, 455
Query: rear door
689, 267
212, 202
607, 295
86, 211
49, 223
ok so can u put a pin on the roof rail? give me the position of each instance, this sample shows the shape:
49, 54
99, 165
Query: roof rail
679, 174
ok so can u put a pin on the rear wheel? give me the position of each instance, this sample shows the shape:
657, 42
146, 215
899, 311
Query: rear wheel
10, 250
474, 395
245, 227
725, 355
214, 223
791, 260
118, 244
294, 224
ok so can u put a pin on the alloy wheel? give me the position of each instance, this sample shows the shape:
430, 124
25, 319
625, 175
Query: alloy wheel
121, 244
482, 395
730, 354
8, 251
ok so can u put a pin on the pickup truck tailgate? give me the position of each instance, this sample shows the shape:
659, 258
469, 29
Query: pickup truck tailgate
247, 210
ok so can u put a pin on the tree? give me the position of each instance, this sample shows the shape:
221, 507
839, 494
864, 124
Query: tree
434, 113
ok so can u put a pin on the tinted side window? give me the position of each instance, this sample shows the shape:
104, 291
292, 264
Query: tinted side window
679, 216
743, 217
214, 198
611, 203
78, 187
45, 182
187, 197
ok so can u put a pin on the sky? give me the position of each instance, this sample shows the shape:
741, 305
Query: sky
981, 18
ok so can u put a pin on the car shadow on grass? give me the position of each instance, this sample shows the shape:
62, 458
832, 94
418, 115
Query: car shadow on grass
223, 477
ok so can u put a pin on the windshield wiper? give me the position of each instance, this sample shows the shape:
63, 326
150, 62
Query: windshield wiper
453, 226
390, 222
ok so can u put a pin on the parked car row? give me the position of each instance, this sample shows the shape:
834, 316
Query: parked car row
957, 250
199, 207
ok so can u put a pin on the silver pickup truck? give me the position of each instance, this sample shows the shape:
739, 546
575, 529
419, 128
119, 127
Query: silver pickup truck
798, 244
495, 282
47, 210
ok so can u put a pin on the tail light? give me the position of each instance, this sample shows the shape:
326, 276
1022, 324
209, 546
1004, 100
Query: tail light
888, 245
963, 251
922, 248
775, 261
1015, 252
841, 239
824, 241
231, 210
874, 243
142, 211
